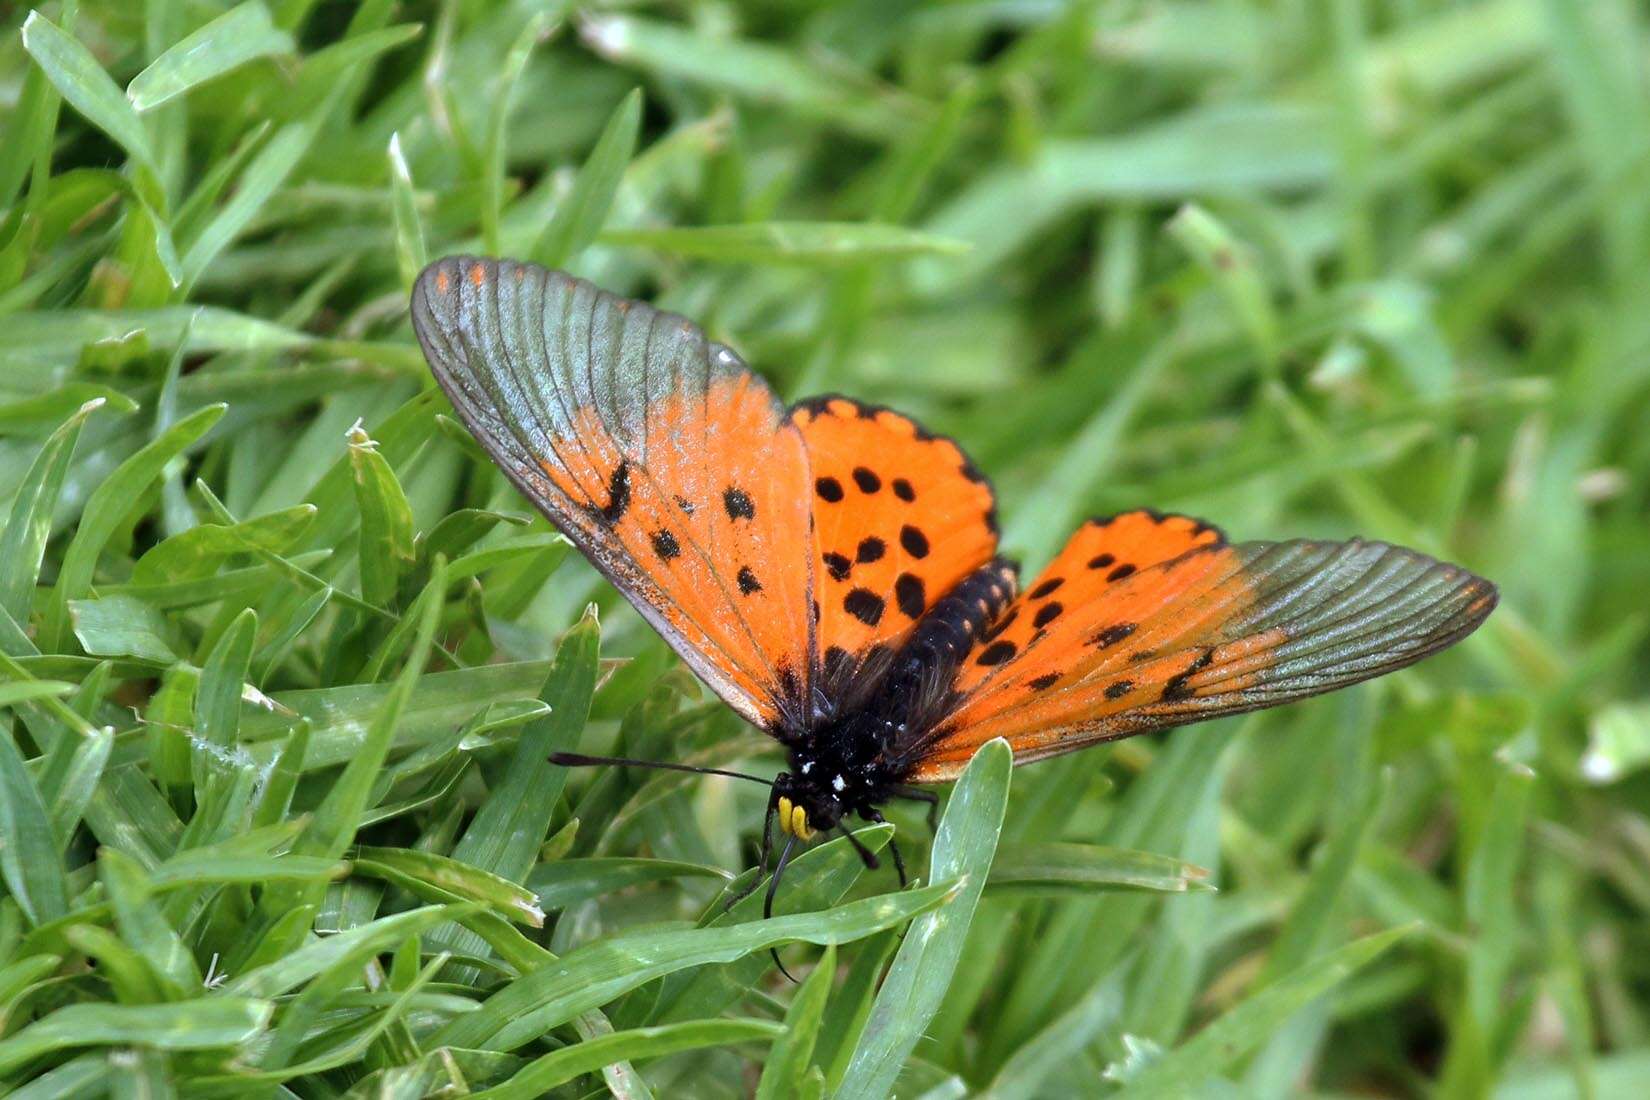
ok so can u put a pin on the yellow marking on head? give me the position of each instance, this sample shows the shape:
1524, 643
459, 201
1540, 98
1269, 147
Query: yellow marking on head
793, 819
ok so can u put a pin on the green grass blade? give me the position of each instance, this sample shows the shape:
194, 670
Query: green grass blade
241, 34
201, 550
29, 525
410, 252
539, 26
218, 698
464, 881
68, 799
792, 1054
1053, 869
109, 505
505, 836
339, 814
144, 925
818, 878
916, 983
386, 537
754, 70
579, 216
1042, 1056
560, 883
594, 975
810, 244
1254, 1020
76, 74
203, 1024
646, 1042
262, 178
29, 860
316, 956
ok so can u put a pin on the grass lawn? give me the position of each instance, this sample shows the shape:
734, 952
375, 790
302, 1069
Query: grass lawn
282, 656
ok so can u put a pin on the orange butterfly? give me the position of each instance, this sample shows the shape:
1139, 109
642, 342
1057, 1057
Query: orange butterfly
830, 569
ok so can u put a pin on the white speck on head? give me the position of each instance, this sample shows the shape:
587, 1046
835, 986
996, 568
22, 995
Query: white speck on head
807, 767
839, 784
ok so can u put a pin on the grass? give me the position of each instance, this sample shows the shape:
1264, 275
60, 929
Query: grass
282, 657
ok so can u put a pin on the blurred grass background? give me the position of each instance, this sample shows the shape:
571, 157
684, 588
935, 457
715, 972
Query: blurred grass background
283, 656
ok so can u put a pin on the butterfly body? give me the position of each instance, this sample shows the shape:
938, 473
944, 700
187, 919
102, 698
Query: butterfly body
871, 714
829, 568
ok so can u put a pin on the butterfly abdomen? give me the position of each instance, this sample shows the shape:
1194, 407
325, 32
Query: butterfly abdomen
924, 666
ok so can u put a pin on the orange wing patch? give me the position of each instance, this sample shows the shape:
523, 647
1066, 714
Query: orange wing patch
659, 454
1104, 552
900, 516
1218, 630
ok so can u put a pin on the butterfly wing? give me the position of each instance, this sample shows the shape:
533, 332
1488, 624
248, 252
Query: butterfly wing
900, 516
664, 459
1197, 628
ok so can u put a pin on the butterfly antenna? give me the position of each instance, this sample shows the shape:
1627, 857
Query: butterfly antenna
762, 864
773, 888
580, 760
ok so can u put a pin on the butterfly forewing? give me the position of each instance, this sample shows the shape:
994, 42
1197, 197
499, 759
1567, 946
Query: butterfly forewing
1218, 629
900, 517
670, 465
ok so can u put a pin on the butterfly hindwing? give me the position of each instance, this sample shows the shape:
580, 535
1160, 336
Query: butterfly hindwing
1215, 629
670, 465
1103, 553
900, 517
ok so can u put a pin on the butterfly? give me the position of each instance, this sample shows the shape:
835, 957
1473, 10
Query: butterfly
830, 569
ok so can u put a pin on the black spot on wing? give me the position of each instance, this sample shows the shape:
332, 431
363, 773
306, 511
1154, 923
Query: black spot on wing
747, 581
1119, 688
685, 505
1101, 561
1046, 588
1045, 681
996, 653
903, 490
618, 496
665, 545
829, 489
1113, 634
914, 541
864, 605
870, 549
910, 595
738, 503
1177, 687
866, 479
837, 566
1120, 572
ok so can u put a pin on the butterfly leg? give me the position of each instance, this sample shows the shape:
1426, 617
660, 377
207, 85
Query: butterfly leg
875, 815
917, 794
762, 863
870, 857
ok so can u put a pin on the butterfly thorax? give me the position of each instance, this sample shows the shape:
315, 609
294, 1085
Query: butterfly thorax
844, 767
876, 711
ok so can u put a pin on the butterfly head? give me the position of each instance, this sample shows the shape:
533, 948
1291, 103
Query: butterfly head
804, 808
